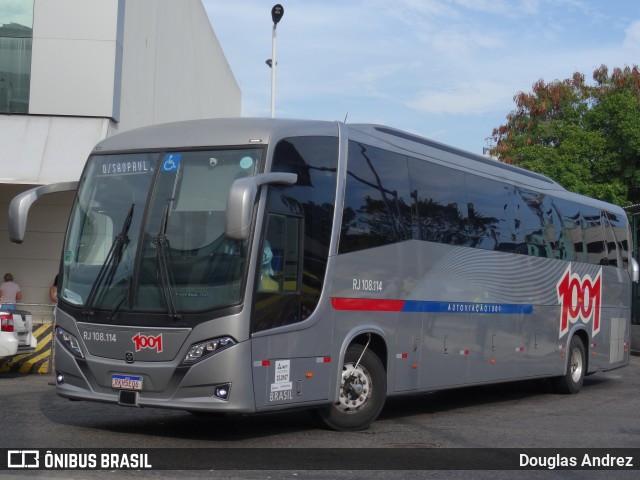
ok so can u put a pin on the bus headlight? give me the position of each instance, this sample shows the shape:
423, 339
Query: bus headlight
202, 350
69, 342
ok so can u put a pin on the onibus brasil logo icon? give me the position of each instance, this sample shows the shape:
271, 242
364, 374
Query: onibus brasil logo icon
579, 298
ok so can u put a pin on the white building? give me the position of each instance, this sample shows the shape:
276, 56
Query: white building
73, 72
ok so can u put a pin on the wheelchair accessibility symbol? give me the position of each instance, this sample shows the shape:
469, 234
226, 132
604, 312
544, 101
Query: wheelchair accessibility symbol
171, 162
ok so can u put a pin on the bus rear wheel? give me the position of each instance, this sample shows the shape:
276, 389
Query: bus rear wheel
363, 387
571, 381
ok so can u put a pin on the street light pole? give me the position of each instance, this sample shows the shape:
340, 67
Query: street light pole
276, 14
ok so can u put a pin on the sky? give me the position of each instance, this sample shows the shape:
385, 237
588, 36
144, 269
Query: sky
443, 69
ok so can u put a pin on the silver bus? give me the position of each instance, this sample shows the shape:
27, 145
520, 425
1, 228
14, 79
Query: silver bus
257, 265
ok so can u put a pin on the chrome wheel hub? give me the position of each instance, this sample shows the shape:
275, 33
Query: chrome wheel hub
576, 365
355, 388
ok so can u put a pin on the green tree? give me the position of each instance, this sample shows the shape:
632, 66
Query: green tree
584, 136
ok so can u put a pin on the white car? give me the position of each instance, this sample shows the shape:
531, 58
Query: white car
16, 332
8, 335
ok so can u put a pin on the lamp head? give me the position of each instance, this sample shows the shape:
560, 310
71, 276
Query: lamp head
276, 13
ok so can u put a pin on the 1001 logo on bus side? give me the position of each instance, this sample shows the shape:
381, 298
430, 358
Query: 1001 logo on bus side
579, 298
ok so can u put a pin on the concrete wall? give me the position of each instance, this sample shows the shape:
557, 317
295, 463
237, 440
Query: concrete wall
173, 66
44, 149
77, 57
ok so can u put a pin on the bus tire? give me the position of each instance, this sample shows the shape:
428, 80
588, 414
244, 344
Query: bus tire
571, 381
362, 392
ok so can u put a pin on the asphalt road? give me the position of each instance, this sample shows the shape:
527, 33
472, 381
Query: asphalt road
606, 413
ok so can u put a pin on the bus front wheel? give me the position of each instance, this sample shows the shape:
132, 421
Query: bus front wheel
363, 387
571, 381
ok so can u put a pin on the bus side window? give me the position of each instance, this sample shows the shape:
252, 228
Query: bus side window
278, 289
377, 201
280, 265
620, 234
593, 233
614, 256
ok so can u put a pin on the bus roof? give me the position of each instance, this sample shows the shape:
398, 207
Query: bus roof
260, 131
212, 132
405, 140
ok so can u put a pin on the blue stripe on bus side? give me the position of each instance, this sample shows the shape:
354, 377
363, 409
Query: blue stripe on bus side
466, 307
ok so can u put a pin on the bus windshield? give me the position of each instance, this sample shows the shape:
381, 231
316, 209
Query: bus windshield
147, 232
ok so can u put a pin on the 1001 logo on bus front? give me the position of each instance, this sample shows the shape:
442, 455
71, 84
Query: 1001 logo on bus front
579, 299
148, 341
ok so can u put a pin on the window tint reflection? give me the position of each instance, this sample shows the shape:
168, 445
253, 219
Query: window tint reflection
391, 198
290, 278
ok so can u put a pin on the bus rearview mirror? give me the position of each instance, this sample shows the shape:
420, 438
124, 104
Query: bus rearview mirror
21, 203
242, 198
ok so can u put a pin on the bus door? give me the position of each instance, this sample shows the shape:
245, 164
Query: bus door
290, 367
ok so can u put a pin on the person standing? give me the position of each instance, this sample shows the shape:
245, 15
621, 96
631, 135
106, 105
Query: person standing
53, 291
10, 292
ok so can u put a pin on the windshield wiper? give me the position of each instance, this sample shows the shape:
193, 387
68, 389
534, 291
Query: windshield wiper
160, 241
125, 294
108, 268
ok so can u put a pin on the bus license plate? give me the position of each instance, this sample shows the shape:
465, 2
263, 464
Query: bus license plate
126, 382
